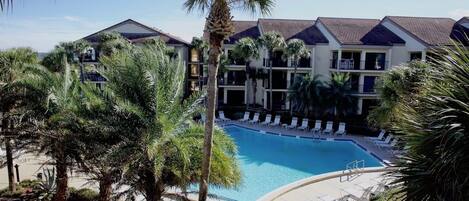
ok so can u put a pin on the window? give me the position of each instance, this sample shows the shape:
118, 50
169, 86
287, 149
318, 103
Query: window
415, 56
375, 61
194, 55
369, 84
194, 70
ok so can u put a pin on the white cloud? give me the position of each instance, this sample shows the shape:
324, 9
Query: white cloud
458, 13
72, 18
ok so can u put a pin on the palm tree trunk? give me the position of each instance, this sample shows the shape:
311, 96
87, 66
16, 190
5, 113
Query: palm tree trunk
62, 177
105, 187
9, 156
213, 64
294, 77
247, 84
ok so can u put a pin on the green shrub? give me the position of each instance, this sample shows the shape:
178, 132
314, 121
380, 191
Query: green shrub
84, 194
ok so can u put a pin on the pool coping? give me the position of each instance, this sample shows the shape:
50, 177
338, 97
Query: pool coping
382, 161
277, 193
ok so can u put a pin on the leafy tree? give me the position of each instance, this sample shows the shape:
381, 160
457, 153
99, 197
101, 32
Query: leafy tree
4, 4
295, 50
219, 27
159, 144
393, 87
111, 42
305, 95
12, 98
338, 95
272, 41
435, 129
247, 49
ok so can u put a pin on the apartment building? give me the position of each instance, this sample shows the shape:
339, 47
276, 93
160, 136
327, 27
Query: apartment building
136, 33
364, 48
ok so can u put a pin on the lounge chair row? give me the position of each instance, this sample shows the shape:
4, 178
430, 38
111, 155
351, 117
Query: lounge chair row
293, 124
381, 141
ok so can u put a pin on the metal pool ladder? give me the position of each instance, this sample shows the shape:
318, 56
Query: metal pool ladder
352, 168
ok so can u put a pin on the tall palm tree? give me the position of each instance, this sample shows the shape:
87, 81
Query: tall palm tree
338, 95
305, 94
159, 142
12, 63
59, 95
219, 27
247, 49
5, 4
295, 50
271, 41
434, 127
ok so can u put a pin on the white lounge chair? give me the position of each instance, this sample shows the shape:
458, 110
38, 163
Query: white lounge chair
328, 129
380, 136
245, 118
317, 127
304, 124
268, 119
385, 141
276, 121
255, 119
221, 116
341, 130
294, 123
392, 144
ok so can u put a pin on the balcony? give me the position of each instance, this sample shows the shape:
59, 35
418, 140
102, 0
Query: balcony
364, 89
233, 78
345, 64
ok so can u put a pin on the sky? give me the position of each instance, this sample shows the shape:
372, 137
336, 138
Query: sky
41, 24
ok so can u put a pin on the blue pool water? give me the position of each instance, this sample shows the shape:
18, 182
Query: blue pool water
270, 161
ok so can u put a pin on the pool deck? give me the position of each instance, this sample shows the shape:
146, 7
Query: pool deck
385, 155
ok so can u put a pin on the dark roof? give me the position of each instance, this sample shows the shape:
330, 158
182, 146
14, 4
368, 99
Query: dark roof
290, 29
243, 29
352, 31
431, 31
168, 38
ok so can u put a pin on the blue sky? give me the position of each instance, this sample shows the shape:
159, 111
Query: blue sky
41, 24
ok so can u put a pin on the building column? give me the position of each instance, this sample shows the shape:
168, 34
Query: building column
265, 99
312, 61
339, 57
246, 99
361, 83
289, 77
225, 96
424, 55
362, 59
359, 106
389, 59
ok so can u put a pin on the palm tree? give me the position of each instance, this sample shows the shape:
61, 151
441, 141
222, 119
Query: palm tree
159, 142
59, 95
5, 4
295, 50
305, 94
12, 63
111, 42
338, 95
272, 41
435, 129
393, 87
247, 49
219, 27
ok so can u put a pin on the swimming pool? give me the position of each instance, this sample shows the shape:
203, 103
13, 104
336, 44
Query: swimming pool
271, 161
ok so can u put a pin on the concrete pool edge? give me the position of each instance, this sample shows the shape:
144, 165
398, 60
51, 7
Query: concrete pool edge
315, 179
385, 163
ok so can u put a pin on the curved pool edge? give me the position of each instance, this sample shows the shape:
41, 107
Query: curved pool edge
318, 178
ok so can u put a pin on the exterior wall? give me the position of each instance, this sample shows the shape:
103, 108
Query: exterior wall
130, 28
412, 44
322, 59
